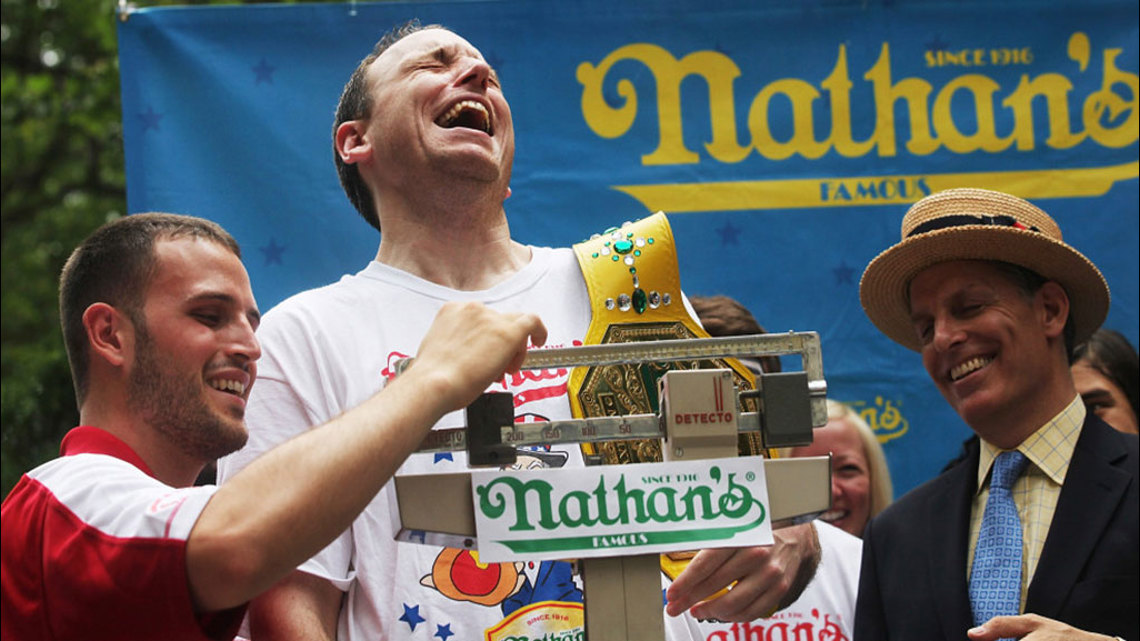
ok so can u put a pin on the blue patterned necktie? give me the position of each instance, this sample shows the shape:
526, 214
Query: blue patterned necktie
995, 582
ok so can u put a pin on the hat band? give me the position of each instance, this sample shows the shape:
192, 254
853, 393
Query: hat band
962, 220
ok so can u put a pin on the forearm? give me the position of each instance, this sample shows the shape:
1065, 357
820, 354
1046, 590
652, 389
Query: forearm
310, 487
805, 540
301, 607
295, 499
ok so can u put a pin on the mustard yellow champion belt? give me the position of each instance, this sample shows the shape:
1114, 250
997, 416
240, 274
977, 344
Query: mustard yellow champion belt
635, 293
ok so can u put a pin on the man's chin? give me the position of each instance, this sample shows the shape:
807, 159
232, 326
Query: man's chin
230, 436
476, 163
965, 399
237, 436
977, 409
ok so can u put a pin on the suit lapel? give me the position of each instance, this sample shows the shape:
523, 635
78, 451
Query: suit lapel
948, 527
1093, 489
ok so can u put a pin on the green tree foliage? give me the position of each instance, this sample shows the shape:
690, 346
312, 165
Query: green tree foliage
62, 176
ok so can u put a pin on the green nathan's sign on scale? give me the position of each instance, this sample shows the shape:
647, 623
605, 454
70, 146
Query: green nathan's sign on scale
620, 510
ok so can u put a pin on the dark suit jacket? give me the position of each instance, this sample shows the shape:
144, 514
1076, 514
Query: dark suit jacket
913, 582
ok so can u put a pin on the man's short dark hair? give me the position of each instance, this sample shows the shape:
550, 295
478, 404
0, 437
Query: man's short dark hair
114, 265
725, 316
356, 104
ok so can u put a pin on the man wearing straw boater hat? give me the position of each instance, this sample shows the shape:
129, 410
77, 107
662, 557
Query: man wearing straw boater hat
1034, 533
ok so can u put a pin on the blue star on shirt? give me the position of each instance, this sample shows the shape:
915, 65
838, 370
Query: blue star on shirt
843, 274
150, 119
412, 616
272, 252
728, 233
443, 631
263, 72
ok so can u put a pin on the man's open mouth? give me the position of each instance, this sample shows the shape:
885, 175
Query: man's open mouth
468, 114
970, 366
228, 385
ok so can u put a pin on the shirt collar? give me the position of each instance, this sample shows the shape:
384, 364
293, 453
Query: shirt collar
86, 439
1050, 448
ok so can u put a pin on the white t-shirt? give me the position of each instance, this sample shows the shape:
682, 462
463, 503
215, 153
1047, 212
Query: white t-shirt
327, 350
825, 610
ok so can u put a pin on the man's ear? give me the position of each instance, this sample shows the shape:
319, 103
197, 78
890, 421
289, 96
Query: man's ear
351, 144
1054, 308
110, 335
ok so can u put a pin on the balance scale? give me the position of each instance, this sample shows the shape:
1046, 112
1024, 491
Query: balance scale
700, 417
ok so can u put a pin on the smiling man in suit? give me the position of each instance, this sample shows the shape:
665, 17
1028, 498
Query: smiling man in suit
1033, 534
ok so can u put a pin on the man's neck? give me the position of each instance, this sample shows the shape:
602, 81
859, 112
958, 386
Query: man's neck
1017, 423
466, 249
168, 464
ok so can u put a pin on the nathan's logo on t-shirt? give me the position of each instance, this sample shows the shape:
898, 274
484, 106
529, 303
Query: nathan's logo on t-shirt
389, 371
544, 621
527, 386
789, 624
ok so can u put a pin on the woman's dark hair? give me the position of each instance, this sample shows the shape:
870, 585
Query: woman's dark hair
1109, 352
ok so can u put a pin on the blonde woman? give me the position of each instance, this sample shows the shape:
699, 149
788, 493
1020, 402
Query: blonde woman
860, 481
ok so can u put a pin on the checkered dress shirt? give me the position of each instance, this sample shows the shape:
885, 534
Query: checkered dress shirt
1035, 493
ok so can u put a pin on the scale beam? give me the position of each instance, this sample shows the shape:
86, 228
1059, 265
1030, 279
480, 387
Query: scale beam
779, 394
804, 344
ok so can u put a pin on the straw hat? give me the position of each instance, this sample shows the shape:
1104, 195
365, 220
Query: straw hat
978, 224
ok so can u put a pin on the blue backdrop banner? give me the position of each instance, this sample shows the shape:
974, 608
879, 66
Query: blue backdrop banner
785, 141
